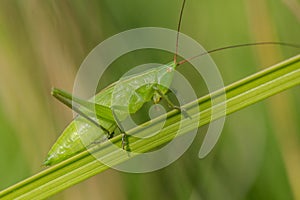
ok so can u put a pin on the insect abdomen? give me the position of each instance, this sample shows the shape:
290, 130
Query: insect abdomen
73, 140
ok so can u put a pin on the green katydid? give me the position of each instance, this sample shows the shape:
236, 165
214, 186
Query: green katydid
105, 124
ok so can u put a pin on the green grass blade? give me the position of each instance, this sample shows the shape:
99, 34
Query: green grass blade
82, 166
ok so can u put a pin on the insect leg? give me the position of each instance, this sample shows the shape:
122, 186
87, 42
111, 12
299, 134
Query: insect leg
125, 142
171, 104
89, 107
78, 110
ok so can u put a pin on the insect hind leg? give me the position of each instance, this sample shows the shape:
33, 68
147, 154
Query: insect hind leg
125, 142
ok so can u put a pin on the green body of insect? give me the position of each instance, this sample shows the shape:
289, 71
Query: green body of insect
131, 92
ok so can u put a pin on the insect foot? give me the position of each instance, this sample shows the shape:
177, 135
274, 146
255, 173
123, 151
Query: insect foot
125, 143
183, 111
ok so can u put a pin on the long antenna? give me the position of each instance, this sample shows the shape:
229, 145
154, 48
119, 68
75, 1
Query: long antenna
238, 46
178, 31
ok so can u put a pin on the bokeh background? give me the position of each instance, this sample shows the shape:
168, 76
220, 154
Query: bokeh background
43, 43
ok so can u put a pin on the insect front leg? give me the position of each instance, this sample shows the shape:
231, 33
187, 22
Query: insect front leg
170, 103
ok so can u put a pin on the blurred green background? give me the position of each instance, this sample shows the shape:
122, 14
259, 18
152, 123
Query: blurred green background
43, 43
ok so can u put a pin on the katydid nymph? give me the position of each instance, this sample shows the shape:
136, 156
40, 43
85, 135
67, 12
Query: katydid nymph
106, 125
